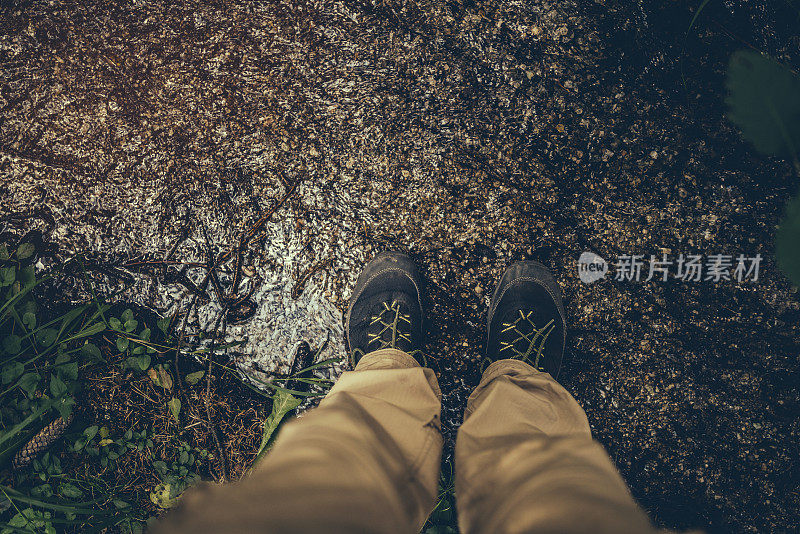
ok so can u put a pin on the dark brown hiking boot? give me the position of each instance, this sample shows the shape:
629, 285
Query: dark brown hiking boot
526, 318
386, 308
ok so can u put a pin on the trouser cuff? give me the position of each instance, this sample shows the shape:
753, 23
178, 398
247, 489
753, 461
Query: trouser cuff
386, 359
507, 367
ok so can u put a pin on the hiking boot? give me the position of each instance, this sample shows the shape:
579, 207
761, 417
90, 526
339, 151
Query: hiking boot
526, 319
386, 309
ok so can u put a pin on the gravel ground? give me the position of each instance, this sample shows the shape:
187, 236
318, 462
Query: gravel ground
284, 143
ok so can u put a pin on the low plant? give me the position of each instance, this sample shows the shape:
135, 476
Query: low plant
177, 475
96, 443
42, 360
45, 363
764, 104
443, 520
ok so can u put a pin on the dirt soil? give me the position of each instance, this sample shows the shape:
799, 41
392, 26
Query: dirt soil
469, 134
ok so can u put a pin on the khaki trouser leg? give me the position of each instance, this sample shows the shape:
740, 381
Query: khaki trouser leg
366, 460
526, 461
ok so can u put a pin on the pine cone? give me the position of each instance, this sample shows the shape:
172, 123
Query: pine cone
40, 442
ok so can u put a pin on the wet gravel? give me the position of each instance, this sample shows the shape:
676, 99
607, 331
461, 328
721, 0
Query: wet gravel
469, 134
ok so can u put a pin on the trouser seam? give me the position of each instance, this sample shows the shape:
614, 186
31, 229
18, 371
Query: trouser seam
432, 432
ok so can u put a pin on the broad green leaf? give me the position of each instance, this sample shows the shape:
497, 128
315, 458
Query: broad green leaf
91, 432
282, 403
787, 242
194, 378
12, 371
90, 351
23, 518
29, 382
7, 276
68, 370
115, 323
64, 407
160, 466
12, 344
4, 252
69, 491
29, 320
47, 336
25, 251
57, 386
145, 335
27, 276
175, 408
764, 102
143, 361
122, 344
80, 443
163, 324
